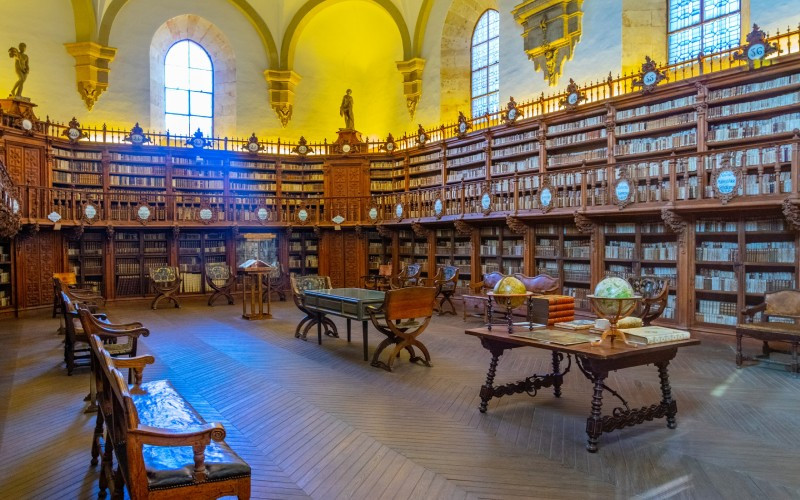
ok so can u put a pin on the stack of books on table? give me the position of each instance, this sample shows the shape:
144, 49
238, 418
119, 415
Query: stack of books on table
552, 309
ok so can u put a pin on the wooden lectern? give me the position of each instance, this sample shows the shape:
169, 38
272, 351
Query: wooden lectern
253, 272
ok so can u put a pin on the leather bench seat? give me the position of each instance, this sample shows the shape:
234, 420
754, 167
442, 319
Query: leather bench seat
159, 405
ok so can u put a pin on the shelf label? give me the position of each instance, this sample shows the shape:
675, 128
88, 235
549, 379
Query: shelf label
546, 197
756, 52
302, 215
438, 207
54, 217
262, 214
398, 210
143, 213
486, 201
373, 213
726, 182
623, 190
206, 214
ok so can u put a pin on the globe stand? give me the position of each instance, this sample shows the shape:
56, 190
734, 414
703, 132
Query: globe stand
508, 302
613, 309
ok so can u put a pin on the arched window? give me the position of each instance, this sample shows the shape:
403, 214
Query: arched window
705, 26
188, 89
486, 64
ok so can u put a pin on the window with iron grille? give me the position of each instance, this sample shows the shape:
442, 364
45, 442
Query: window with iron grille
705, 26
188, 89
486, 64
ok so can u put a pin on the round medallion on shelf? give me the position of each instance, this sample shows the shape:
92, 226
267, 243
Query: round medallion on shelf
14, 206
512, 114
345, 148
622, 190
252, 147
373, 213
137, 139
462, 128
302, 215
546, 197
73, 134
54, 217
572, 99
89, 211
650, 78
198, 142
756, 51
438, 207
302, 149
398, 210
262, 214
390, 146
726, 182
206, 214
143, 213
27, 124
486, 201
422, 138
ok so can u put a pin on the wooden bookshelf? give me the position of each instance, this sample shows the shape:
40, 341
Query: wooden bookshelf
6, 275
455, 249
561, 251
86, 258
303, 252
135, 252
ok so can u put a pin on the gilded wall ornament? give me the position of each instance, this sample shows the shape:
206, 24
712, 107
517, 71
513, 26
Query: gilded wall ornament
551, 30
516, 225
622, 190
462, 227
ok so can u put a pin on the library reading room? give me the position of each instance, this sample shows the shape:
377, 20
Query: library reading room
292, 249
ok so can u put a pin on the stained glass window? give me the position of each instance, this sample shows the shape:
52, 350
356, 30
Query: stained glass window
705, 26
486, 64
189, 89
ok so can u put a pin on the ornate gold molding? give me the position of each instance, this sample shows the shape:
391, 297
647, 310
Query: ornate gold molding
281, 92
412, 82
91, 69
551, 29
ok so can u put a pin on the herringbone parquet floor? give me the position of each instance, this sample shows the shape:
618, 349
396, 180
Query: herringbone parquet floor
317, 421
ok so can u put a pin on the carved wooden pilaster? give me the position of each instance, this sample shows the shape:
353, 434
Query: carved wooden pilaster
677, 225
585, 225
462, 227
110, 232
317, 231
75, 233
516, 225
28, 232
792, 214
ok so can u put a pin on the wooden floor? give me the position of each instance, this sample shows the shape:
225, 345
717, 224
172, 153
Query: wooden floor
317, 421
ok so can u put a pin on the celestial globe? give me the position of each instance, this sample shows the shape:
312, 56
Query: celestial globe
510, 286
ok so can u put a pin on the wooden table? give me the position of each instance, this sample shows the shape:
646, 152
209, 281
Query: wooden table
594, 363
350, 303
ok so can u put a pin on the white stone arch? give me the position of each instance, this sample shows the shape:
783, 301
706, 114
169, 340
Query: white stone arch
214, 41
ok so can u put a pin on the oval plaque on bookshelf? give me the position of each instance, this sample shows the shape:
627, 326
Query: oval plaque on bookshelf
756, 52
54, 217
726, 180
205, 214
14, 206
262, 214
486, 202
545, 197
372, 213
27, 125
338, 220
302, 215
622, 192
137, 136
438, 208
398, 210
90, 212
143, 213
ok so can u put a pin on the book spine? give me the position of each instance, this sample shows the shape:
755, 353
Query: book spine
658, 339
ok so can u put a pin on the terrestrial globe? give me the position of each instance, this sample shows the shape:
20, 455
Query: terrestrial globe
510, 286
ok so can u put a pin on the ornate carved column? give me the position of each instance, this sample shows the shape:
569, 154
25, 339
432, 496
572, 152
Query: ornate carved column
677, 225
792, 213
412, 82
281, 92
516, 225
91, 69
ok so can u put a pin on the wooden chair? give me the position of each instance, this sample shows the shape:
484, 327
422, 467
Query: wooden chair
221, 279
655, 292
783, 306
300, 284
409, 275
276, 279
476, 301
166, 281
379, 281
445, 283
404, 315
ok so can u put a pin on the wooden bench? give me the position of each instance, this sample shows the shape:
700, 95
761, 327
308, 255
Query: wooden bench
163, 447
785, 305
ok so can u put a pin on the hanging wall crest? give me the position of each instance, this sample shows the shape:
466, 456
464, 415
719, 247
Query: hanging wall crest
142, 212
650, 76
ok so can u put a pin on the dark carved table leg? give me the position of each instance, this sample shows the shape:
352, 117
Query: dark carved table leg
365, 336
348, 329
594, 424
487, 389
738, 350
666, 393
556, 368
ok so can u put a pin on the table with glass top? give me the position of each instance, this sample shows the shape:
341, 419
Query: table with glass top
349, 303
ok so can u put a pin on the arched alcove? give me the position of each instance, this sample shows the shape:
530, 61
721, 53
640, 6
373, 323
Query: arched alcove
214, 41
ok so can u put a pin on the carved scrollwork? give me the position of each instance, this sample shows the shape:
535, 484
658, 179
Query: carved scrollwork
75, 233
462, 227
384, 231
420, 230
583, 223
516, 225
110, 232
676, 224
791, 211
